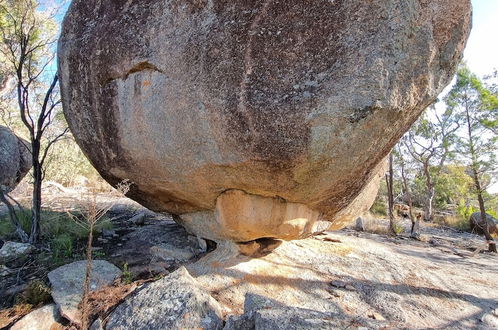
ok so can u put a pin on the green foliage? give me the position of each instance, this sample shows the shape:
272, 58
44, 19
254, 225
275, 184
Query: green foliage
66, 162
452, 185
62, 246
36, 294
127, 276
465, 211
379, 207
58, 228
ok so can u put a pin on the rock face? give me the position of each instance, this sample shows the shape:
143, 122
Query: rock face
174, 302
44, 318
15, 159
285, 105
14, 250
477, 225
67, 284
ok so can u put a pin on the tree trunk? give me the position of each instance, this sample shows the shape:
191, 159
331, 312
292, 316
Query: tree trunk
414, 232
390, 197
37, 201
428, 210
484, 220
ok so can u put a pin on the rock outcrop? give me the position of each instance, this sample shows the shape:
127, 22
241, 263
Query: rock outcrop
282, 105
173, 302
67, 285
44, 318
15, 159
477, 225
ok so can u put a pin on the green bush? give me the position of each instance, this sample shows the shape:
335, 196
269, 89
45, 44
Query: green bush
62, 246
378, 208
36, 294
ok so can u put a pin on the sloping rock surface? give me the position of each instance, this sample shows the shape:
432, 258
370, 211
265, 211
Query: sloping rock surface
15, 159
67, 284
44, 318
263, 313
282, 99
173, 302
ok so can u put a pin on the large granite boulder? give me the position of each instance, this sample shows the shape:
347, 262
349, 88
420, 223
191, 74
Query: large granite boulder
477, 225
253, 118
15, 159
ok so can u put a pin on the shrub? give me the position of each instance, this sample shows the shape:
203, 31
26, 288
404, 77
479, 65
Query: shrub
36, 294
62, 246
379, 208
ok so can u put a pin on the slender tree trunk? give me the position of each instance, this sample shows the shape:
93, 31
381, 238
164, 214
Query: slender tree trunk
482, 209
428, 209
390, 197
414, 232
14, 219
37, 199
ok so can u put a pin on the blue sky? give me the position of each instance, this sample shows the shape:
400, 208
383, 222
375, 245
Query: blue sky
481, 52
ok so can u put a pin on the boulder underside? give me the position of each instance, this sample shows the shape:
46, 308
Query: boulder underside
257, 118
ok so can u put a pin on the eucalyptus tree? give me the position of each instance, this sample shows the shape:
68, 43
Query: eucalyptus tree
476, 105
430, 143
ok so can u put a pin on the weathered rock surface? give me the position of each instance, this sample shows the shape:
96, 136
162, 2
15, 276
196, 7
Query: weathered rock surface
15, 159
173, 302
287, 100
264, 313
44, 318
356, 279
14, 250
67, 284
477, 225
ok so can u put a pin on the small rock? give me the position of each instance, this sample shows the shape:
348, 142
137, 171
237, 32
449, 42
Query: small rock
138, 219
14, 250
102, 240
338, 284
44, 318
167, 252
67, 284
376, 316
108, 233
5, 271
350, 287
490, 320
173, 302
360, 224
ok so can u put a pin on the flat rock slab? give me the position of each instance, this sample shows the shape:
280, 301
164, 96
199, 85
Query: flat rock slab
67, 284
44, 318
13, 250
174, 302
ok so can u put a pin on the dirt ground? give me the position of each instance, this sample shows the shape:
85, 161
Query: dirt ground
445, 280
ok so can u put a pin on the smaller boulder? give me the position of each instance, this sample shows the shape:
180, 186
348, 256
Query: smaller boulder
173, 302
477, 225
44, 318
67, 284
15, 159
14, 250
